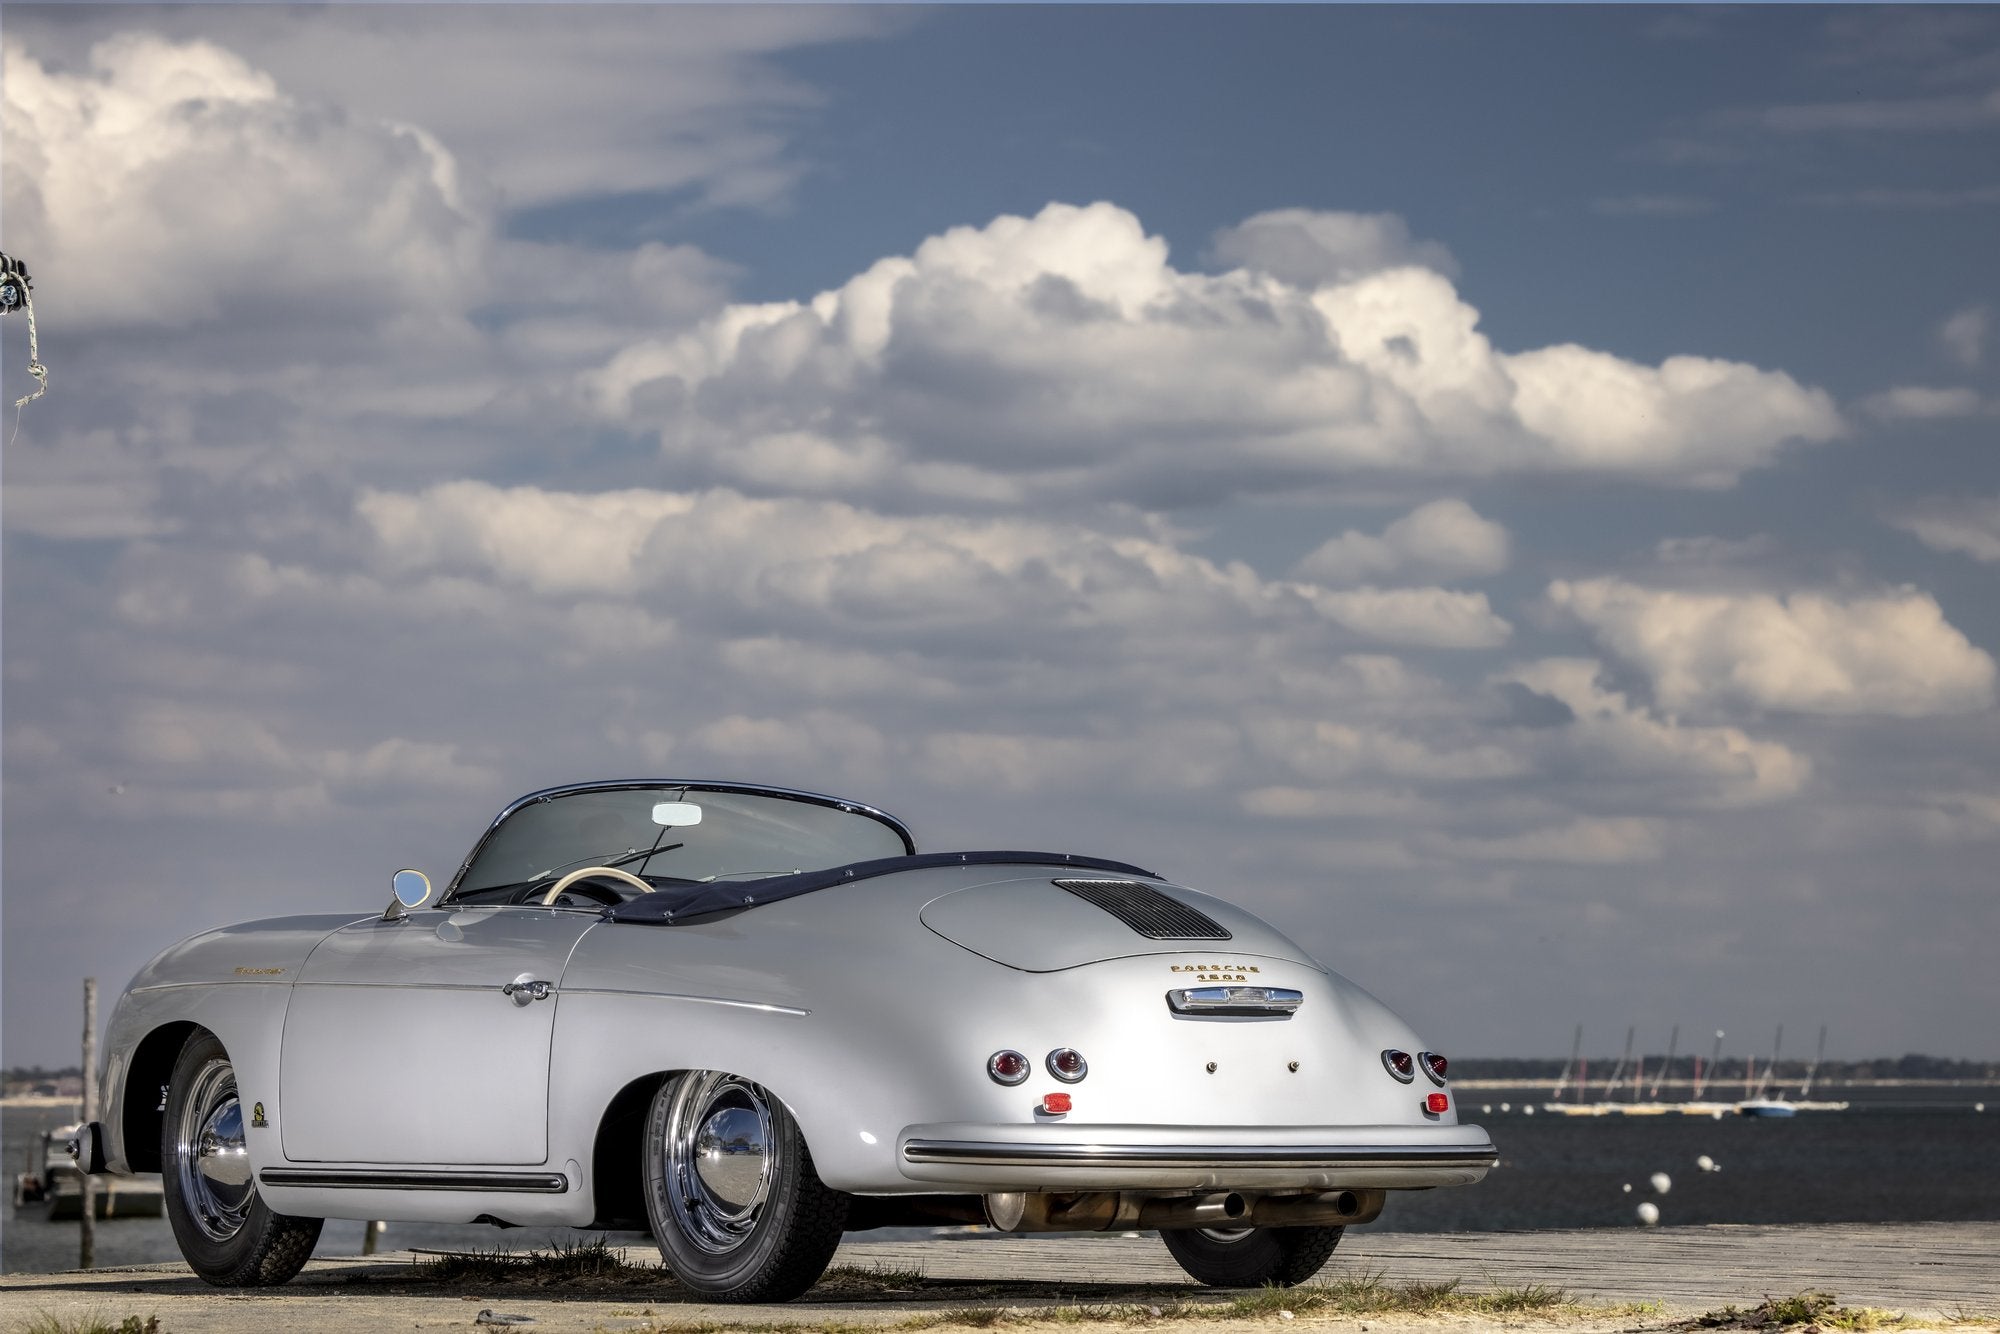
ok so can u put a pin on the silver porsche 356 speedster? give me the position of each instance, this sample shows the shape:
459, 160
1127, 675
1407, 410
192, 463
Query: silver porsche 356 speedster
754, 1019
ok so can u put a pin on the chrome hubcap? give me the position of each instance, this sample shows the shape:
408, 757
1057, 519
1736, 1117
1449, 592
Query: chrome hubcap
714, 1142
212, 1163
1226, 1235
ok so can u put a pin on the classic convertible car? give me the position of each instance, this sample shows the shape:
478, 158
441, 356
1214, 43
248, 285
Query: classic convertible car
754, 1019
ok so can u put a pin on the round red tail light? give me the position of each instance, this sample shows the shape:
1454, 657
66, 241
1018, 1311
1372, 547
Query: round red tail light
1067, 1064
1400, 1064
1007, 1067
1434, 1065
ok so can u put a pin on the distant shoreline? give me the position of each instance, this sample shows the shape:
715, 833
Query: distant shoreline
1724, 1080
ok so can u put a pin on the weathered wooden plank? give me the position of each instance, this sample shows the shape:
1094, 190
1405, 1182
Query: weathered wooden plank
1928, 1268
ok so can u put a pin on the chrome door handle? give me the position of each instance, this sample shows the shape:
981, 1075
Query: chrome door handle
528, 988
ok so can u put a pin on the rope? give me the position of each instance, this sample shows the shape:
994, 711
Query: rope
35, 367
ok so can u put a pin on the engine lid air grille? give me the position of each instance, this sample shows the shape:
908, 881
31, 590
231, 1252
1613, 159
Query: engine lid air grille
1146, 910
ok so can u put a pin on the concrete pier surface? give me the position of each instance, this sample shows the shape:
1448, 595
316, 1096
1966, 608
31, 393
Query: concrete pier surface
1940, 1272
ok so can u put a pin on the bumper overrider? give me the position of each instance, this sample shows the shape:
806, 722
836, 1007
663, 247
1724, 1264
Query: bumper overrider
1057, 1157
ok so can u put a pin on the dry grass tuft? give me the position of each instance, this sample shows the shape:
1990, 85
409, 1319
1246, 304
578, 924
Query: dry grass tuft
855, 1281
1806, 1311
1367, 1295
131, 1324
589, 1262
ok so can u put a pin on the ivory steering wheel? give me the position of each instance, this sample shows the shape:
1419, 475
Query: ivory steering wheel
584, 873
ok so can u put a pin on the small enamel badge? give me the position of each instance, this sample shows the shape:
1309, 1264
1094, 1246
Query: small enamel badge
257, 1116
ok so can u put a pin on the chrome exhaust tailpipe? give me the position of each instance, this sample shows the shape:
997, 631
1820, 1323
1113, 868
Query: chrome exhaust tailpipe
1040, 1211
1220, 1210
1328, 1208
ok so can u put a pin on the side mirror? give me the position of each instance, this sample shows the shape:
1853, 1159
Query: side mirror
412, 889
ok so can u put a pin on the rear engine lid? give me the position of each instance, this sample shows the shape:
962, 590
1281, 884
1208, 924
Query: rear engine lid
1041, 924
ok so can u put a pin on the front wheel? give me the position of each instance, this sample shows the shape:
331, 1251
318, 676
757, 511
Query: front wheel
738, 1211
227, 1233
1250, 1257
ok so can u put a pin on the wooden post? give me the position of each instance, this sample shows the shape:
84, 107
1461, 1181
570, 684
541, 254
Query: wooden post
87, 1234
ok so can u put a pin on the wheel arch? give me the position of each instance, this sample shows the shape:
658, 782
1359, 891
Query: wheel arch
618, 1150
618, 1155
141, 1113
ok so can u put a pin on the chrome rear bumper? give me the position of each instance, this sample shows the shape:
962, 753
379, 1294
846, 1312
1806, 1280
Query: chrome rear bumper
1132, 1157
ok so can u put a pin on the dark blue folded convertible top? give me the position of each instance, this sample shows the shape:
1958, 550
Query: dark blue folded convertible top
667, 906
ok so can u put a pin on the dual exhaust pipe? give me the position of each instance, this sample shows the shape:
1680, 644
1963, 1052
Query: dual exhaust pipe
1106, 1211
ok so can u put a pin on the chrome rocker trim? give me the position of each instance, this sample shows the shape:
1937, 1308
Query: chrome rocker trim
505, 1183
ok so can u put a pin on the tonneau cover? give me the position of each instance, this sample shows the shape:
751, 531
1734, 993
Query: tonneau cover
667, 906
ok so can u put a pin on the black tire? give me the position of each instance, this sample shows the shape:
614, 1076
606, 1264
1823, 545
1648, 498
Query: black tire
737, 1209
1252, 1257
227, 1233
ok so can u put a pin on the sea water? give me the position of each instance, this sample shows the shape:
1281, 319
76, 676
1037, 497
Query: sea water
1909, 1154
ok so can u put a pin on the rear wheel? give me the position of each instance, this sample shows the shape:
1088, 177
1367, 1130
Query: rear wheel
227, 1233
1250, 1257
738, 1211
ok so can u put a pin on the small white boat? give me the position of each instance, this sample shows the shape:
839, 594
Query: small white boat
1766, 1107
60, 1186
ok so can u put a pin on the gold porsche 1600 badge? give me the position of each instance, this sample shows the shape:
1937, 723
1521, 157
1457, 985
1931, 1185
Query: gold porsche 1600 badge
1217, 972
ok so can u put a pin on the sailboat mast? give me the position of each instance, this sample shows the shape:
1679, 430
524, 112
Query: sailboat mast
1713, 1056
1562, 1080
1770, 1071
1618, 1070
1812, 1071
1673, 1044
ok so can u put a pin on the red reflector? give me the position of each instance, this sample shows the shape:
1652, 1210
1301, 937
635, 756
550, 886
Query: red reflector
1055, 1103
1438, 1102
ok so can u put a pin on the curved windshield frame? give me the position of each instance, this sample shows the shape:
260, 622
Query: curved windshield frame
745, 833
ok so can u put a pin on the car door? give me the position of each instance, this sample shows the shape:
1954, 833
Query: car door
426, 1040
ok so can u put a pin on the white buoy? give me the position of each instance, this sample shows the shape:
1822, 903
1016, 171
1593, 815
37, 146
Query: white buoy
1527, 1111
1978, 1106
1662, 1183
1485, 1109
1649, 1214
1705, 1163
1628, 1188
1506, 1107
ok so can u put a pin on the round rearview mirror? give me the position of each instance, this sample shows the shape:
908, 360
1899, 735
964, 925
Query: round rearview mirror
413, 888
675, 814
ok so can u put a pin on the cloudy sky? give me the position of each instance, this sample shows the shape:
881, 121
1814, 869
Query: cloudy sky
1513, 496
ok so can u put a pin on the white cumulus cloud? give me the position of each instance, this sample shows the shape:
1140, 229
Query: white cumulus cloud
1963, 335
832, 559
170, 180
1923, 403
1613, 741
1584, 842
1062, 356
1445, 538
1969, 526
1892, 653
1310, 248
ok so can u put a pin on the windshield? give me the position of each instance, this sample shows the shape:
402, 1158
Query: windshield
735, 835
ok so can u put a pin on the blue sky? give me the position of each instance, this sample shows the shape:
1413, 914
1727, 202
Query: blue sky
1509, 494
